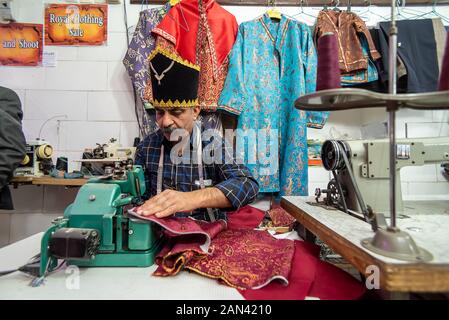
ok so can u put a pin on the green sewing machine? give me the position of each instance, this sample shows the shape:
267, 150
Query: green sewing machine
96, 230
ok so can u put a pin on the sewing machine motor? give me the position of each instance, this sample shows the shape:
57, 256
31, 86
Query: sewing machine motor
96, 230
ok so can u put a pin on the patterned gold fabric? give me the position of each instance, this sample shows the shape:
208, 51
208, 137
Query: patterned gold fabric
240, 258
245, 259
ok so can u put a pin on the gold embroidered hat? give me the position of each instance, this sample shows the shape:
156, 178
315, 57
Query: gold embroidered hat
174, 81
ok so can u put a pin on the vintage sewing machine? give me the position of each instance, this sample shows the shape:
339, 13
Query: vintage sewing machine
96, 230
361, 174
95, 159
37, 161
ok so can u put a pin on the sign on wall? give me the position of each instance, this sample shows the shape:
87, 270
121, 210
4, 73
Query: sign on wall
76, 24
21, 44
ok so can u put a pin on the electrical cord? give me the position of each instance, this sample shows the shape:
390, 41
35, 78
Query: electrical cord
32, 268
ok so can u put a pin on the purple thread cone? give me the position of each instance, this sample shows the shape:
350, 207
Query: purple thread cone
328, 74
444, 75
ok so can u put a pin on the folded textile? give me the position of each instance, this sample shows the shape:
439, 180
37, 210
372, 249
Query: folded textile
241, 258
245, 217
246, 259
309, 276
281, 218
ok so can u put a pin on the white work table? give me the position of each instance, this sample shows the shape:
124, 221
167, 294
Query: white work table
103, 283
343, 233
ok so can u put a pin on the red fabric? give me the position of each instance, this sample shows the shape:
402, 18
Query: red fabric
312, 277
309, 276
173, 27
281, 218
245, 217
302, 276
332, 283
245, 258
328, 70
242, 258
186, 237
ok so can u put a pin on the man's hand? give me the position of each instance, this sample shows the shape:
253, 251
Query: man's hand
166, 203
169, 202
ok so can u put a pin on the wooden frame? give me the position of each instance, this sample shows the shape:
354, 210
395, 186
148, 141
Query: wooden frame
47, 181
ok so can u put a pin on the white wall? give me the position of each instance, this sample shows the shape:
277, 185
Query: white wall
91, 90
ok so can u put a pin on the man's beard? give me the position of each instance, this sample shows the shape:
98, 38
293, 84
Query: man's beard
168, 130
174, 134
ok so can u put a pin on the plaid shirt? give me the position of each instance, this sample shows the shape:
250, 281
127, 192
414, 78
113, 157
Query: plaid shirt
234, 180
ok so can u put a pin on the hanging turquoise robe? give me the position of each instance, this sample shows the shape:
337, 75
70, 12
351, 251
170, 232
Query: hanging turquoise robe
273, 63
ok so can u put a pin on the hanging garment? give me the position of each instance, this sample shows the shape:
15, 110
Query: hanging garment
136, 62
202, 32
417, 49
140, 48
346, 25
440, 39
381, 85
271, 65
241, 258
361, 76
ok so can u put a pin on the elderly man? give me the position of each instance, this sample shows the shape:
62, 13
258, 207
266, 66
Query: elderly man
178, 181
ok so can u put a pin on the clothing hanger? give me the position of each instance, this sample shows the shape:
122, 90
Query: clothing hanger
302, 12
402, 10
367, 13
184, 26
431, 13
412, 12
336, 8
273, 13
144, 3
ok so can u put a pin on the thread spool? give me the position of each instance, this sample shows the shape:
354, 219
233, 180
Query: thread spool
328, 73
44, 151
444, 75
61, 164
25, 160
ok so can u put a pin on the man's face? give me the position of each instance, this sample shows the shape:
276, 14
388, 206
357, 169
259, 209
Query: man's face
176, 118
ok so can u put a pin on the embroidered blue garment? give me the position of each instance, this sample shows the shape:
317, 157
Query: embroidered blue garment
273, 63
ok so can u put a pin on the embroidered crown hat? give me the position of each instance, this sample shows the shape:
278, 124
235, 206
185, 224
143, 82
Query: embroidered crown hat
174, 81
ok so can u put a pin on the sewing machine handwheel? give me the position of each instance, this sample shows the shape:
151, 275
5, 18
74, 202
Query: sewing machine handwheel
331, 154
334, 195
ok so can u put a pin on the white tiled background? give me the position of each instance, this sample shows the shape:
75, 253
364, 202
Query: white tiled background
90, 91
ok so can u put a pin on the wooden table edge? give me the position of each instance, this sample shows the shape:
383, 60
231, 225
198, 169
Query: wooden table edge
48, 181
413, 277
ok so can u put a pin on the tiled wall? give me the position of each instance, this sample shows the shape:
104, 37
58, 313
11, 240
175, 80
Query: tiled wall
91, 92
427, 180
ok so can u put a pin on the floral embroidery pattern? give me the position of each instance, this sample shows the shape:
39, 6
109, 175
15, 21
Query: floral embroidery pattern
271, 65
